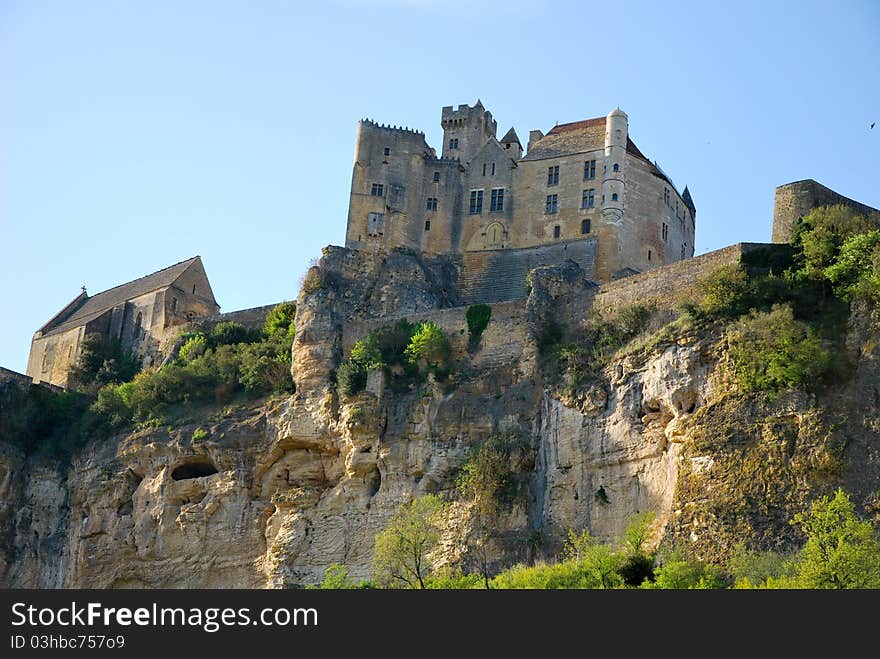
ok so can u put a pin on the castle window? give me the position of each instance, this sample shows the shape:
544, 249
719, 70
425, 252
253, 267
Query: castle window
497, 202
557, 231
453, 143
432, 203
649, 254
194, 289
665, 231
493, 169
551, 203
588, 198
666, 196
137, 324
387, 151
436, 177
553, 175
375, 224
377, 190
616, 167
613, 196
476, 202
589, 170
174, 304
484, 169
427, 225
585, 226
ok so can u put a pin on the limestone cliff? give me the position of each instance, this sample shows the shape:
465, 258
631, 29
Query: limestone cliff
272, 494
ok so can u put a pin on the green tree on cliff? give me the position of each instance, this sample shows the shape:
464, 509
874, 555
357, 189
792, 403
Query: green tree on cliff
400, 556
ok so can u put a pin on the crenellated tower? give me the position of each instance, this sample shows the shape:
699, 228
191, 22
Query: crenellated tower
466, 130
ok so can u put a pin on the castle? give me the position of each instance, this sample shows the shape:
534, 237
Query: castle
582, 191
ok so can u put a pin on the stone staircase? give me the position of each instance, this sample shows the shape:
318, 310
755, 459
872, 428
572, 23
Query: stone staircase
499, 275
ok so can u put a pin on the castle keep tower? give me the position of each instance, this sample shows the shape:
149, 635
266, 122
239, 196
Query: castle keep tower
466, 130
582, 191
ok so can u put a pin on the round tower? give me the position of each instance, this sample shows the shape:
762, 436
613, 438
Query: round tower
616, 132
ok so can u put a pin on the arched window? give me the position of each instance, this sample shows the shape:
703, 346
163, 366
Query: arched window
137, 324
174, 304
613, 196
616, 167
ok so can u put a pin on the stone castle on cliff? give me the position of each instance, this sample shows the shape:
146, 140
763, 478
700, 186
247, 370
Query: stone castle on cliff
583, 192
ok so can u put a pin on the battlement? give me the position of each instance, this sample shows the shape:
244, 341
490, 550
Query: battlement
397, 129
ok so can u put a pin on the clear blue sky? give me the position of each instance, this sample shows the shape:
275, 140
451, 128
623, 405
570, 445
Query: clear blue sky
137, 134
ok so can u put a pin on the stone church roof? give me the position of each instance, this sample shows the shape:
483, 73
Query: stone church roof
85, 308
576, 137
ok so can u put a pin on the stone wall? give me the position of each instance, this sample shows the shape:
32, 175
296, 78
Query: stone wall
793, 201
7, 376
502, 341
666, 286
492, 276
253, 318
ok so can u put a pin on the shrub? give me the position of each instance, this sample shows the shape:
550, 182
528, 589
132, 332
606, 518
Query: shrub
428, 347
39, 420
855, 273
490, 476
366, 353
264, 367
454, 580
477, 317
682, 574
102, 361
280, 321
199, 434
402, 551
194, 347
313, 281
351, 377
336, 578
772, 350
230, 333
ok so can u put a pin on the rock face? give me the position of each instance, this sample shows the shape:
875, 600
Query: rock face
271, 495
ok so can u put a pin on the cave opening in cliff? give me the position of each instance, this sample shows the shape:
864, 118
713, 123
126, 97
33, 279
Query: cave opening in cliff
193, 470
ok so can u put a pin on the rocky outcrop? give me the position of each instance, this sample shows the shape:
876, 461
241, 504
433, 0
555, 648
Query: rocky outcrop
269, 495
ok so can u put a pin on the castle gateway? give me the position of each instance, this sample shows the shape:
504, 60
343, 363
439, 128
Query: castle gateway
582, 191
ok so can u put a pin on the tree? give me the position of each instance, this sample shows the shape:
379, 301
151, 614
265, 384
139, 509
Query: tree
103, 361
428, 346
841, 551
401, 551
597, 560
280, 320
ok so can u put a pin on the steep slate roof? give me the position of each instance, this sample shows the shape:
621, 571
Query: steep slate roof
93, 306
576, 137
510, 137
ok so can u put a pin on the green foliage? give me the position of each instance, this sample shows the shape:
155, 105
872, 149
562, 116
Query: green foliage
195, 346
819, 236
842, 551
477, 317
454, 580
231, 333
578, 363
313, 281
855, 273
750, 568
366, 352
493, 474
428, 348
215, 375
638, 531
280, 321
199, 434
40, 420
772, 350
102, 361
336, 578
600, 563
401, 553
351, 377
386, 348
682, 574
